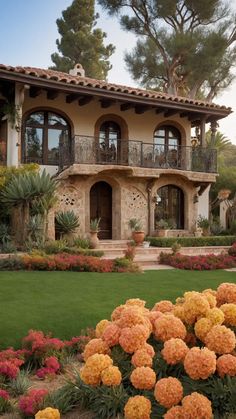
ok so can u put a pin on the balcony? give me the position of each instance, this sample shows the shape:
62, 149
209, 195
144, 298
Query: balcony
90, 150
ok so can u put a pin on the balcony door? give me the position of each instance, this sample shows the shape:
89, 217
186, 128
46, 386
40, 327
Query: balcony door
109, 144
101, 207
167, 141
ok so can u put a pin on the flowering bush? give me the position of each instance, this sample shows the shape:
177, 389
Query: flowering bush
198, 263
30, 403
166, 354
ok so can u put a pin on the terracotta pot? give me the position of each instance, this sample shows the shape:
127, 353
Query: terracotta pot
161, 233
94, 240
138, 237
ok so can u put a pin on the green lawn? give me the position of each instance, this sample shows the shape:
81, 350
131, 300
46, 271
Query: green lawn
66, 302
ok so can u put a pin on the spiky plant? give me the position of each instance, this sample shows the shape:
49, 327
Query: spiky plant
20, 384
4, 233
66, 222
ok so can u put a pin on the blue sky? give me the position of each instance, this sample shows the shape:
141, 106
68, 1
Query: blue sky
28, 33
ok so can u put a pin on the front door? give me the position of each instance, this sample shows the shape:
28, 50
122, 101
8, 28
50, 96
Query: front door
101, 207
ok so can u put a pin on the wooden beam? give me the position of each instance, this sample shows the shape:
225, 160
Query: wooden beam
84, 100
183, 114
170, 112
52, 94
194, 117
160, 111
126, 106
72, 97
141, 109
106, 103
34, 91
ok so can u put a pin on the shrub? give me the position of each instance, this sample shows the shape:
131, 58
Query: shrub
199, 263
130, 251
11, 264
232, 250
81, 242
192, 241
55, 246
32, 401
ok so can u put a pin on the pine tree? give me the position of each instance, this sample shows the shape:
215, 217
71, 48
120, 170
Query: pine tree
80, 42
184, 47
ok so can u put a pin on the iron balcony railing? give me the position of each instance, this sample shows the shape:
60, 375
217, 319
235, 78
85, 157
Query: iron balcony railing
91, 150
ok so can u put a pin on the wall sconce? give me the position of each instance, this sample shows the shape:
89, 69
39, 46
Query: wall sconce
194, 141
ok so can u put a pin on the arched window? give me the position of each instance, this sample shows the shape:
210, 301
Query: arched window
167, 151
46, 134
109, 136
170, 206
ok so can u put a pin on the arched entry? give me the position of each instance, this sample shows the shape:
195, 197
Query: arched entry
101, 207
170, 206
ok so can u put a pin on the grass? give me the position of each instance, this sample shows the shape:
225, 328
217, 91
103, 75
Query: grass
66, 302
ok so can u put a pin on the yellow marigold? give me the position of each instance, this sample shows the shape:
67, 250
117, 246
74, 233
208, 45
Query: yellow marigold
174, 351
135, 302
143, 378
88, 376
195, 306
168, 392
149, 349
169, 326
48, 413
101, 327
226, 293
209, 291
226, 364
175, 412
215, 315
200, 363
111, 376
141, 358
210, 298
163, 306
197, 406
115, 315
133, 338
111, 334
220, 339
138, 407
202, 327
98, 362
95, 346
131, 316
229, 311
178, 311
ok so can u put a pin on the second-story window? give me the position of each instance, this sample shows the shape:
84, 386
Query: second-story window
167, 140
45, 133
109, 134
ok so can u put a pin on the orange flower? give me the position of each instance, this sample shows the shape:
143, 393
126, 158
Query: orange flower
169, 326
98, 362
200, 363
143, 378
131, 316
138, 407
210, 298
168, 392
111, 376
133, 338
111, 334
174, 351
149, 349
195, 306
115, 315
95, 346
135, 302
226, 364
141, 358
175, 412
154, 315
164, 306
101, 327
226, 293
229, 311
215, 315
220, 339
178, 311
197, 406
48, 413
202, 327
88, 376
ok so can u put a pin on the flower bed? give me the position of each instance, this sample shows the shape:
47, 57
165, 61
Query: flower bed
199, 263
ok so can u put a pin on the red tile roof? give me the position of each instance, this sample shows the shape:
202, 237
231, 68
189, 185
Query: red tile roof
103, 85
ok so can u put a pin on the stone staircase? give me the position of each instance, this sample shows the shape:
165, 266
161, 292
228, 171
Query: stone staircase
146, 258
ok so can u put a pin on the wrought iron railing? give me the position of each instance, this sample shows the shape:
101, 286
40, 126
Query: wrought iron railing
91, 150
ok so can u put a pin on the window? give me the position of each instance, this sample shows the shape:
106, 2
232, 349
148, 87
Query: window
109, 134
170, 206
167, 140
45, 136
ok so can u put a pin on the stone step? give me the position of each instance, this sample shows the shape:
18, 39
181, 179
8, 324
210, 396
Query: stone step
113, 244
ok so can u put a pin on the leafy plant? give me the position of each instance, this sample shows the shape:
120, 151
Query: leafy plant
66, 222
55, 246
81, 242
4, 233
162, 225
203, 222
135, 224
94, 224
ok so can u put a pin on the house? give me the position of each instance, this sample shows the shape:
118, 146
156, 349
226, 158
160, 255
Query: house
118, 152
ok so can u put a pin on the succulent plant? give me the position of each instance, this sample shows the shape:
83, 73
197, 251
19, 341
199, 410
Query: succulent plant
66, 222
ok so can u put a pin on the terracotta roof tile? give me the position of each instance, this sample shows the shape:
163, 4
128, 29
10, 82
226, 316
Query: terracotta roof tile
99, 84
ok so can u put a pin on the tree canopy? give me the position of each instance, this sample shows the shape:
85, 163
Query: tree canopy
81, 42
184, 47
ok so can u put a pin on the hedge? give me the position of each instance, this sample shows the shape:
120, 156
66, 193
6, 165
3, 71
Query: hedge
192, 241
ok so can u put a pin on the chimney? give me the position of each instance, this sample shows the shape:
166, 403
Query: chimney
77, 71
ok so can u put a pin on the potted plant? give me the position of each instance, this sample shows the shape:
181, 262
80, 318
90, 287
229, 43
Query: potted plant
204, 224
94, 229
137, 231
162, 226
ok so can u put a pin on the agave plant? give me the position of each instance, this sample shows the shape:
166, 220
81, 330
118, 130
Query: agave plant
66, 222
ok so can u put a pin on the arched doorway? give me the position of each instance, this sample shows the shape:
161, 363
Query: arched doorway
170, 206
101, 207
